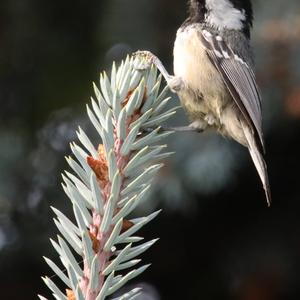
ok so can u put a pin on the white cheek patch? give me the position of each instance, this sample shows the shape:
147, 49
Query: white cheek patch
222, 14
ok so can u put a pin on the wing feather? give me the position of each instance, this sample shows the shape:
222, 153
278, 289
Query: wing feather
239, 78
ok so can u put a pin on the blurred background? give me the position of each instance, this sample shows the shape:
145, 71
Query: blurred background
218, 239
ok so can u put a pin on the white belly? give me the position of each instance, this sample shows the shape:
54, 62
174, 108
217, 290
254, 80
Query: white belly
204, 95
200, 77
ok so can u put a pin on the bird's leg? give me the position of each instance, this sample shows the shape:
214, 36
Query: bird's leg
194, 127
188, 128
175, 83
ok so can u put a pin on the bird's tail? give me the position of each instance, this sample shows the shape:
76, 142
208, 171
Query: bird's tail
259, 162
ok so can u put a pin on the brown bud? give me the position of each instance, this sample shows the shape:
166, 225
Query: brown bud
70, 294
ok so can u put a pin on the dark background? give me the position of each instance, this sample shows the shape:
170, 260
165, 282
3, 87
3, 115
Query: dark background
218, 239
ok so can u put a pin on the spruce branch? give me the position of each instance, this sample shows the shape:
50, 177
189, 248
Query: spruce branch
108, 182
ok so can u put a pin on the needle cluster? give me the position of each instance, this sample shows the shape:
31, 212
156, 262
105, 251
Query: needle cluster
107, 182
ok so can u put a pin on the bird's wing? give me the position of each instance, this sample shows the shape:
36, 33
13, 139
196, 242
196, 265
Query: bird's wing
238, 78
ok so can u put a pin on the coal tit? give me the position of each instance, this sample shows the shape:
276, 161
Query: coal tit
214, 78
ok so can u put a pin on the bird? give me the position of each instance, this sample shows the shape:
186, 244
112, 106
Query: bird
214, 76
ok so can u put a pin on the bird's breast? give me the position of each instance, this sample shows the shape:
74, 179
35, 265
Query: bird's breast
204, 90
190, 60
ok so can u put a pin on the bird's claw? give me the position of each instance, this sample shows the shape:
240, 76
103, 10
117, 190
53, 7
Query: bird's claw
148, 59
175, 84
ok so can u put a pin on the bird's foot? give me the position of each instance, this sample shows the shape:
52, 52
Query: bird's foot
198, 126
175, 83
210, 119
148, 59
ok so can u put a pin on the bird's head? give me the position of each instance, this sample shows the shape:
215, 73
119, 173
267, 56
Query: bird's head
223, 14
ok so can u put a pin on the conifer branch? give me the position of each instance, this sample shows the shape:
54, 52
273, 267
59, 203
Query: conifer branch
108, 182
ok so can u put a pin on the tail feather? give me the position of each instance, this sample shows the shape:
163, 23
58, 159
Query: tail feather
259, 162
